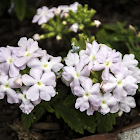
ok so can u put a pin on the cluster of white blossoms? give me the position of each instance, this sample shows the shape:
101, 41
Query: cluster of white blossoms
119, 78
38, 83
44, 13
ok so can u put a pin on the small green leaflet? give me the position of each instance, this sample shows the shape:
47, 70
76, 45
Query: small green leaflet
27, 120
38, 112
105, 122
70, 117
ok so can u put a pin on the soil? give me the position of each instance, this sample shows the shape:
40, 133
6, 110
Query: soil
11, 29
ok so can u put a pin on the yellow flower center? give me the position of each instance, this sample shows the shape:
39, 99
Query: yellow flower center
107, 63
45, 65
27, 54
6, 86
93, 57
103, 102
119, 82
24, 96
39, 83
10, 60
43, 13
77, 74
86, 94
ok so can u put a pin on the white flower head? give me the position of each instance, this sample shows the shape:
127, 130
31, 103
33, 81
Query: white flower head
41, 84
43, 15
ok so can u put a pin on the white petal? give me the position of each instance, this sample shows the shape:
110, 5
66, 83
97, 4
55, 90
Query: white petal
12, 96
2, 94
87, 84
36, 73
48, 78
33, 93
119, 93
79, 91
34, 62
95, 89
28, 80
104, 109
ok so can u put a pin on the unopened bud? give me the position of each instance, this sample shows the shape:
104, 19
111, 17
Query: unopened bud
81, 26
133, 29
58, 37
97, 23
120, 113
64, 22
57, 11
66, 14
19, 81
36, 37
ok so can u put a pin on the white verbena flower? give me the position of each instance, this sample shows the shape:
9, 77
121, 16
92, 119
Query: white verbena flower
7, 59
43, 15
46, 63
87, 94
41, 84
27, 49
7, 86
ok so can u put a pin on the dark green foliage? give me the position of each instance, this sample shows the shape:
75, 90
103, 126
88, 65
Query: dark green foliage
119, 37
36, 114
105, 122
69, 116
27, 120
25, 71
88, 122
20, 8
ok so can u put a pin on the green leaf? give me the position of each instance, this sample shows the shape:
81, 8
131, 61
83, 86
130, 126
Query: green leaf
105, 122
115, 27
20, 8
69, 116
38, 111
69, 100
27, 120
88, 122
47, 106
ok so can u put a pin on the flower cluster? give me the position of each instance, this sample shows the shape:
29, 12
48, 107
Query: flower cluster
117, 79
44, 13
27, 74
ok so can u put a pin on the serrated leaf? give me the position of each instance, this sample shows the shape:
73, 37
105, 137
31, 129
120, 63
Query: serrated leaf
105, 122
70, 117
27, 120
88, 122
